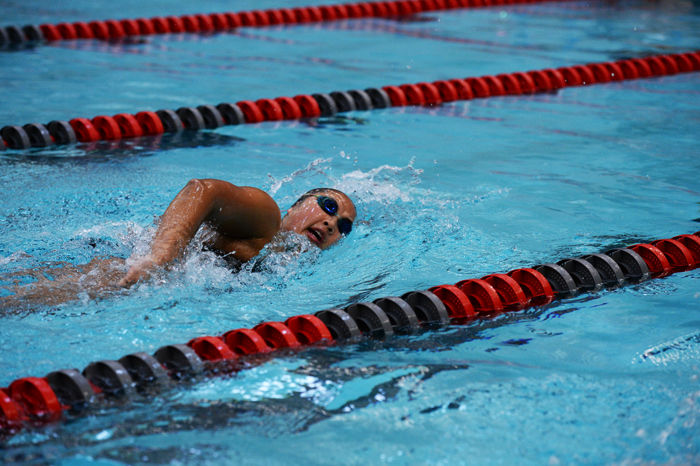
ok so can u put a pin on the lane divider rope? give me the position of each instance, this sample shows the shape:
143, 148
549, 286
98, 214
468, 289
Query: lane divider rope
218, 22
434, 93
34, 401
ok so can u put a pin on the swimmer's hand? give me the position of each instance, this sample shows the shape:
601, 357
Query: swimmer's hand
141, 270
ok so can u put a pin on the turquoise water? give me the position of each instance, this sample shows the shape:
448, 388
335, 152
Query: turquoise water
443, 194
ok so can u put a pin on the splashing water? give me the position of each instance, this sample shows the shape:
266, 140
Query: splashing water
389, 198
380, 183
317, 166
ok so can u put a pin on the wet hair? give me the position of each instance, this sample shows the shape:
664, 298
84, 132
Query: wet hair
315, 191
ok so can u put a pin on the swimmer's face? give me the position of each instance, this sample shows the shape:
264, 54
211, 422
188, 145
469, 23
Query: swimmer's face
309, 219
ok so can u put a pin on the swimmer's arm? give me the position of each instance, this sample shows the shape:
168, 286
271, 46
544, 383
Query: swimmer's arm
236, 212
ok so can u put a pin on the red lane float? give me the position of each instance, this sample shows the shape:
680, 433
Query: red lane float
537, 289
510, 84
251, 111
107, 127
11, 414
678, 255
496, 86
479, 87
290, 108
414, 95
271, 109
211, 348
447, 91
277, 335
396, 95
525, 81
244, 341
509, 291
36, 398
128, 125
309, 329
457, 303
656, 260
464, 90
482, 295
308, 105
431, 95
67, 31
83, 30
150, 123
692, 243
84, 130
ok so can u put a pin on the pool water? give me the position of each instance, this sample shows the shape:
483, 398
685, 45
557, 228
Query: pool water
443, 194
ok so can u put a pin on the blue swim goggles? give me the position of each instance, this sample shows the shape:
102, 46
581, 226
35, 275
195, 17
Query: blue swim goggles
330, 206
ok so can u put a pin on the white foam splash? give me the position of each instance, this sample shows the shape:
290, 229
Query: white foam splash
138, 239
380, 183
14, 257
385, 183
685, 348
279, 262
104, 229
315, 166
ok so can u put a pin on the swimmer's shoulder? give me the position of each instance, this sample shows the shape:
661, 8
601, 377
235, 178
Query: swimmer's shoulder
246, 195
242, 215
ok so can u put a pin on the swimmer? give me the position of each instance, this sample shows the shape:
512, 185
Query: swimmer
239, 222
243, 220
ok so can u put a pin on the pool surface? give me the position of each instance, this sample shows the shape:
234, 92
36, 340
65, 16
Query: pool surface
443, 193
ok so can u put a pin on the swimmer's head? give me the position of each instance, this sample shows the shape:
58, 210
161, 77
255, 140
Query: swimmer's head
323, 215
